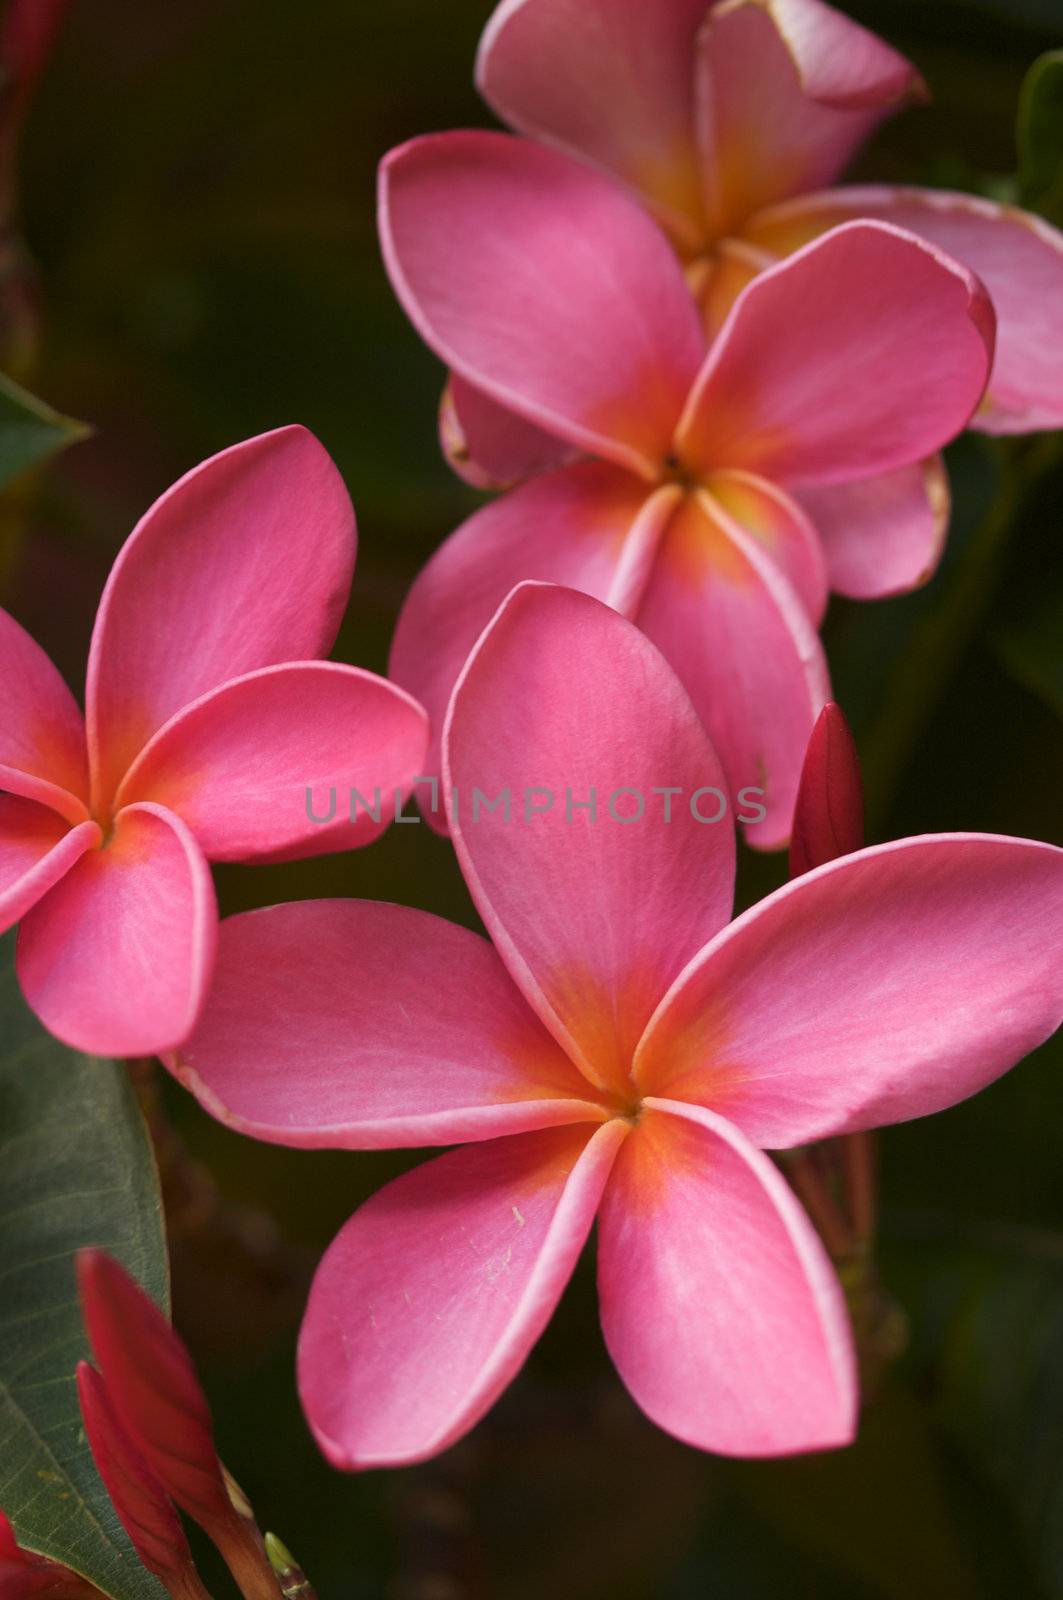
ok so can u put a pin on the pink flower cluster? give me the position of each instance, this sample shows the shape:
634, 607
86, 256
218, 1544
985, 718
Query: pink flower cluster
716, 389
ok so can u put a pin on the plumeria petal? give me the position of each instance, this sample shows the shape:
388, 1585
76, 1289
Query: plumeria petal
429, 1300
42, 738
883, 535
880, 987
719, 1305
1018, 256
611, 82
490, 446
37, 848
245, 562
746, 652
251, 765
353, 1024
589, 526
786, 92
865, 351
599, 348
829, 814
115, 960
778, 523
592, 913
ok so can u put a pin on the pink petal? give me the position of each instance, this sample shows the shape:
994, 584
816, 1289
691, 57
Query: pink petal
865, 351
593, 915
490, 446
429, 1300
881, 987
883, 535
829, 814
117, 958
589, 526
787, 91
42, 738
237, 765
422, 1039
610, 81
719, 1305
778, 523
37, 847
545, 287
250, 556
1018, 257
747, 654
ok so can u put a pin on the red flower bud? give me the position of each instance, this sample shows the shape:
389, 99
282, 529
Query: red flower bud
142, 1505
829, 812
152, 1387
155, 1396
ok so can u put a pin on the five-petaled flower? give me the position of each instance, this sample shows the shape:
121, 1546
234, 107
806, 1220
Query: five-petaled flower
208, 716
710, 496
727, 118
619, 1051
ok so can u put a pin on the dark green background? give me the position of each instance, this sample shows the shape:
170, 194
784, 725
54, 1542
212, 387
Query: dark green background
198, 192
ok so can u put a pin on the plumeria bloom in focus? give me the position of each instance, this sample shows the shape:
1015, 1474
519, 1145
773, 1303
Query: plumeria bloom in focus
728, 119
539, 281
618, 1052
208, 717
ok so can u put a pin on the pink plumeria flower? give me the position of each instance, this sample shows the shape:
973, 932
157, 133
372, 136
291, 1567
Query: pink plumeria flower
618, 1052
728, 119
539, 281
208, 717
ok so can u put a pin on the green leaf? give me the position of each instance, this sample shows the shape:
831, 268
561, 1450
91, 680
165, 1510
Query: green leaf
76, 1168
30, 431
1040, 136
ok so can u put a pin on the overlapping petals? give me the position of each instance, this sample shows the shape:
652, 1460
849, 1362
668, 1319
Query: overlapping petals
727, 120
209, 735
609, 922
620, 1053
467, 221
589, 526
884, 364
481, 1243
835, 376
116, 958
707, 1229
1017, 256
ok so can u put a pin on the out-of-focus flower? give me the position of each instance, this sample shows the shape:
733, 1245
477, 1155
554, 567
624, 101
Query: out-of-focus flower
727, 120
716, 500
619, 1052
208, 720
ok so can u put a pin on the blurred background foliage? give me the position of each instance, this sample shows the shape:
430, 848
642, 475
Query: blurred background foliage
197, 192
